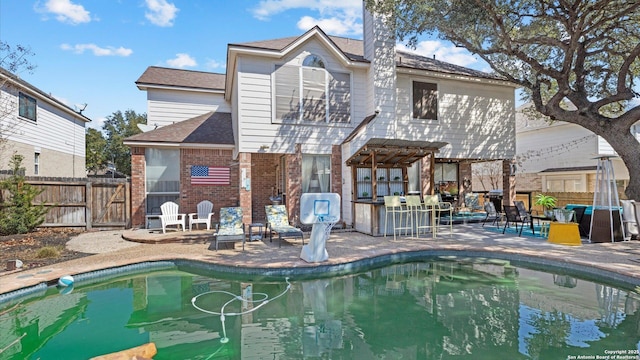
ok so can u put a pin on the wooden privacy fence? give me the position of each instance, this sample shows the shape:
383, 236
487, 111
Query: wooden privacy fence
84, 202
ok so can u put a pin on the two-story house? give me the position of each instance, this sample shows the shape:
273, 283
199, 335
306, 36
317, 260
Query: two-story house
317, 113
47, 133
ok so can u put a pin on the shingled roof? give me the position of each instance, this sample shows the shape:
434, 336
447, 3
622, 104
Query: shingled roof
354, 50
210, 128
160, 76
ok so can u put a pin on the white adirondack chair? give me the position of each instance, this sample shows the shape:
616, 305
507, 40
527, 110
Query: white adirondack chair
203, 216
170, 216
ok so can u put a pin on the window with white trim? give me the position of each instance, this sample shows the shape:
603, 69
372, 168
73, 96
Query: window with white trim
26, 106
162, 177
316, 173
311, 93
36, 163
425, 101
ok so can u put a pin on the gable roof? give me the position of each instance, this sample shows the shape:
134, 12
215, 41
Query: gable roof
34, 91
167, 77
350, 50
212, 128
353, 49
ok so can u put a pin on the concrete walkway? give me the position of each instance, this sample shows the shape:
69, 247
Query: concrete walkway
620, 261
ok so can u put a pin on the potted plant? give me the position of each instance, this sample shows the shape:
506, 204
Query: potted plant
547, 202
381, 178
367, 177
397, 178
365, 194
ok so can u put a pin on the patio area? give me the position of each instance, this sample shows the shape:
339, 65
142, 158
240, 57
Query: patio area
347, 249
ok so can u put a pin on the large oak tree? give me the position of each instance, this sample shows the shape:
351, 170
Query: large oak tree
583, 53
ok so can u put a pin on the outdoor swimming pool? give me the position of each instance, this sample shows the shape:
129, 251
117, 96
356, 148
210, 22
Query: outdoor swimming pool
438, 308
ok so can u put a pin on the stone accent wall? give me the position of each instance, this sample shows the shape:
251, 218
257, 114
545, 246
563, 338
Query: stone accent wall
219, 195
138, 204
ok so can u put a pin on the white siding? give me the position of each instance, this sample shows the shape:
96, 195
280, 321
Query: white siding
477, 120
254, 109
604, 148
567, 145
165, 107
55, 134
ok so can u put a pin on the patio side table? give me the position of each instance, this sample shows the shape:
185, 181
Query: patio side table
258, 235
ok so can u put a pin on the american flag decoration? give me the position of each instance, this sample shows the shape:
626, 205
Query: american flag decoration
209, 175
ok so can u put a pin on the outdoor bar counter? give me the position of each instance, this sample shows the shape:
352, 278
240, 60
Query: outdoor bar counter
369, 217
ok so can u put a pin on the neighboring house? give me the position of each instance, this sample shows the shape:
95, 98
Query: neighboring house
317, 113
47, 133
559, 156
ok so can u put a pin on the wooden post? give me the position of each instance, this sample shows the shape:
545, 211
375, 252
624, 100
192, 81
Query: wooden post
88, 198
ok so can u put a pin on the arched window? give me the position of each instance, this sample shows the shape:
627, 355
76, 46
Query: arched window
311, 93
313, 61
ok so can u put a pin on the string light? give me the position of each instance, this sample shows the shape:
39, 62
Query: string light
550, 152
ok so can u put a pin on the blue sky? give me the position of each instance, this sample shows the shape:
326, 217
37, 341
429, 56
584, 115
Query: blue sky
93, 51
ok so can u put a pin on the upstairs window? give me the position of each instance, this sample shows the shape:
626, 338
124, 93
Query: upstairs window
27, 107
311, 93
425, 101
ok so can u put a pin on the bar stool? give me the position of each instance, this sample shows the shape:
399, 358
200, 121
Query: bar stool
439, 207
421, 212
393, 206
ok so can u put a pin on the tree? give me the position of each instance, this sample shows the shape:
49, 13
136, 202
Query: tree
116, 128
13, 60
18, 213
96, 151
581, 52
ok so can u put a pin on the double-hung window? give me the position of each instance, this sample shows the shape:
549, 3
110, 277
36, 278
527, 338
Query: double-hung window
27, 106
310, 93
425, 101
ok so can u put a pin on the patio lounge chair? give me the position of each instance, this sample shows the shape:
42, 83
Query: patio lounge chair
513, 217
472, 201
492, 214
278, 222
203, 216
170, 216
231, 227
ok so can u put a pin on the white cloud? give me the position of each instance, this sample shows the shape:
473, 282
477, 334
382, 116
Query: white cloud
182, 61
214, 64
161, 12
336, 17
267, 8
443, 52
97, 51
334, 26
66, 11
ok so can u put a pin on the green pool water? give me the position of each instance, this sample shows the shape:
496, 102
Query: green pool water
439, 309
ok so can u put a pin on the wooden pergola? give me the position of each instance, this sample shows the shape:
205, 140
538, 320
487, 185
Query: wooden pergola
391, 153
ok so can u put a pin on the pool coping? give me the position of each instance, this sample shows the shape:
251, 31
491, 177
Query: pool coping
350, 251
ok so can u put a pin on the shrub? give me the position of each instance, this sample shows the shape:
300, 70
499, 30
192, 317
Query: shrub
47, 252
18, 213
